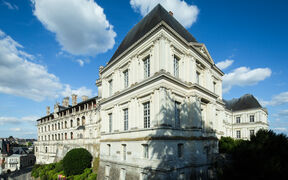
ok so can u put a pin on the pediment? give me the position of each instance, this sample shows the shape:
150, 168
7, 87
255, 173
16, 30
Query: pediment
201, 48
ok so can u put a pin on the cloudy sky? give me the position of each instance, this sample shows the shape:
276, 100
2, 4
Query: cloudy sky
51, 49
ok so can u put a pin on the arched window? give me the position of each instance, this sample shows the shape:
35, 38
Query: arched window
52, 127
71, 135
46, 149
83, 120
58, 125
65, 124
78, 122
65, 136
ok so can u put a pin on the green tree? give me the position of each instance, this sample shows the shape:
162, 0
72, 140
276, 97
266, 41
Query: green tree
263, 157
76, 160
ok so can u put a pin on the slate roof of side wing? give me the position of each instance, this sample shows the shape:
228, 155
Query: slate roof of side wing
154, 17
248, 101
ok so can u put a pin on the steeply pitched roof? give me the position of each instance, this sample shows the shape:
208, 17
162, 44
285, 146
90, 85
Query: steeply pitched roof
248, 101
155, 16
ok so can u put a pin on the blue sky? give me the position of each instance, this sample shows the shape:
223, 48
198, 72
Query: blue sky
50, 49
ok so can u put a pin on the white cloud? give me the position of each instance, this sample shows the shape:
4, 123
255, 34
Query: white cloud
279, 99
244, 76
80, 92
81, 62
15, 129
280, 129
80, 26
21, 77
186, 14
10, 5
224, 64
15, 120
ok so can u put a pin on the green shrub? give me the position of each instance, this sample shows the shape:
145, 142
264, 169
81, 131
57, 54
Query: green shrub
92, 176
59, 166
76, 160
228, 144
35, 170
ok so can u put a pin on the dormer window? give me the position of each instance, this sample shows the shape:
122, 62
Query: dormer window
176, 66
126, 78
146, 62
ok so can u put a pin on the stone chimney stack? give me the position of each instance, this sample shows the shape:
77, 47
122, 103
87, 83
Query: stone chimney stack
65, 102
74, 99
85, 98
47, 110
56, 107
171, 13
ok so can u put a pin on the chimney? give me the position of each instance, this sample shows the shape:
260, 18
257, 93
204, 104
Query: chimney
74, 99
65, 102
171, 13
47, 110
84, 98
56, 107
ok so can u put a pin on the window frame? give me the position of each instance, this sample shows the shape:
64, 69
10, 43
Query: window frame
180, 150
238, 120
253, 119
126, 78
110, 82
146, 114
126, 119
145, 148
110, 118
176, 66
146, 63
177, 114
238, 134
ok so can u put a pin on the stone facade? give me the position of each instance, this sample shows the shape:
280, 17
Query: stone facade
158, 114
66, 128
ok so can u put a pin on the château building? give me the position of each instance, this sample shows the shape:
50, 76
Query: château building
159, 111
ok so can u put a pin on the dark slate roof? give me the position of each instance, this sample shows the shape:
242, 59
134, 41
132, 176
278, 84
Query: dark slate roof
20, 150
153, 18
248, 101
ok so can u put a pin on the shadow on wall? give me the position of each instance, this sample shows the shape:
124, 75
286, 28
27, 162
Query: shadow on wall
184, 145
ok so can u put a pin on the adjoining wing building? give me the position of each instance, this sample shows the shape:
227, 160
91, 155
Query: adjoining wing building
159, 110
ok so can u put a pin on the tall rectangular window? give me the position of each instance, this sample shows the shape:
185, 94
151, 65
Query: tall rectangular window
110, 87
238, 119
125, 112
252, 118
145, 151
176, 66
214, 87
177, 114
238, 134
126, 78
146, 115
124, 151
252, 132
110, 122
147, 67
180, 148
197, 77
109, 149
